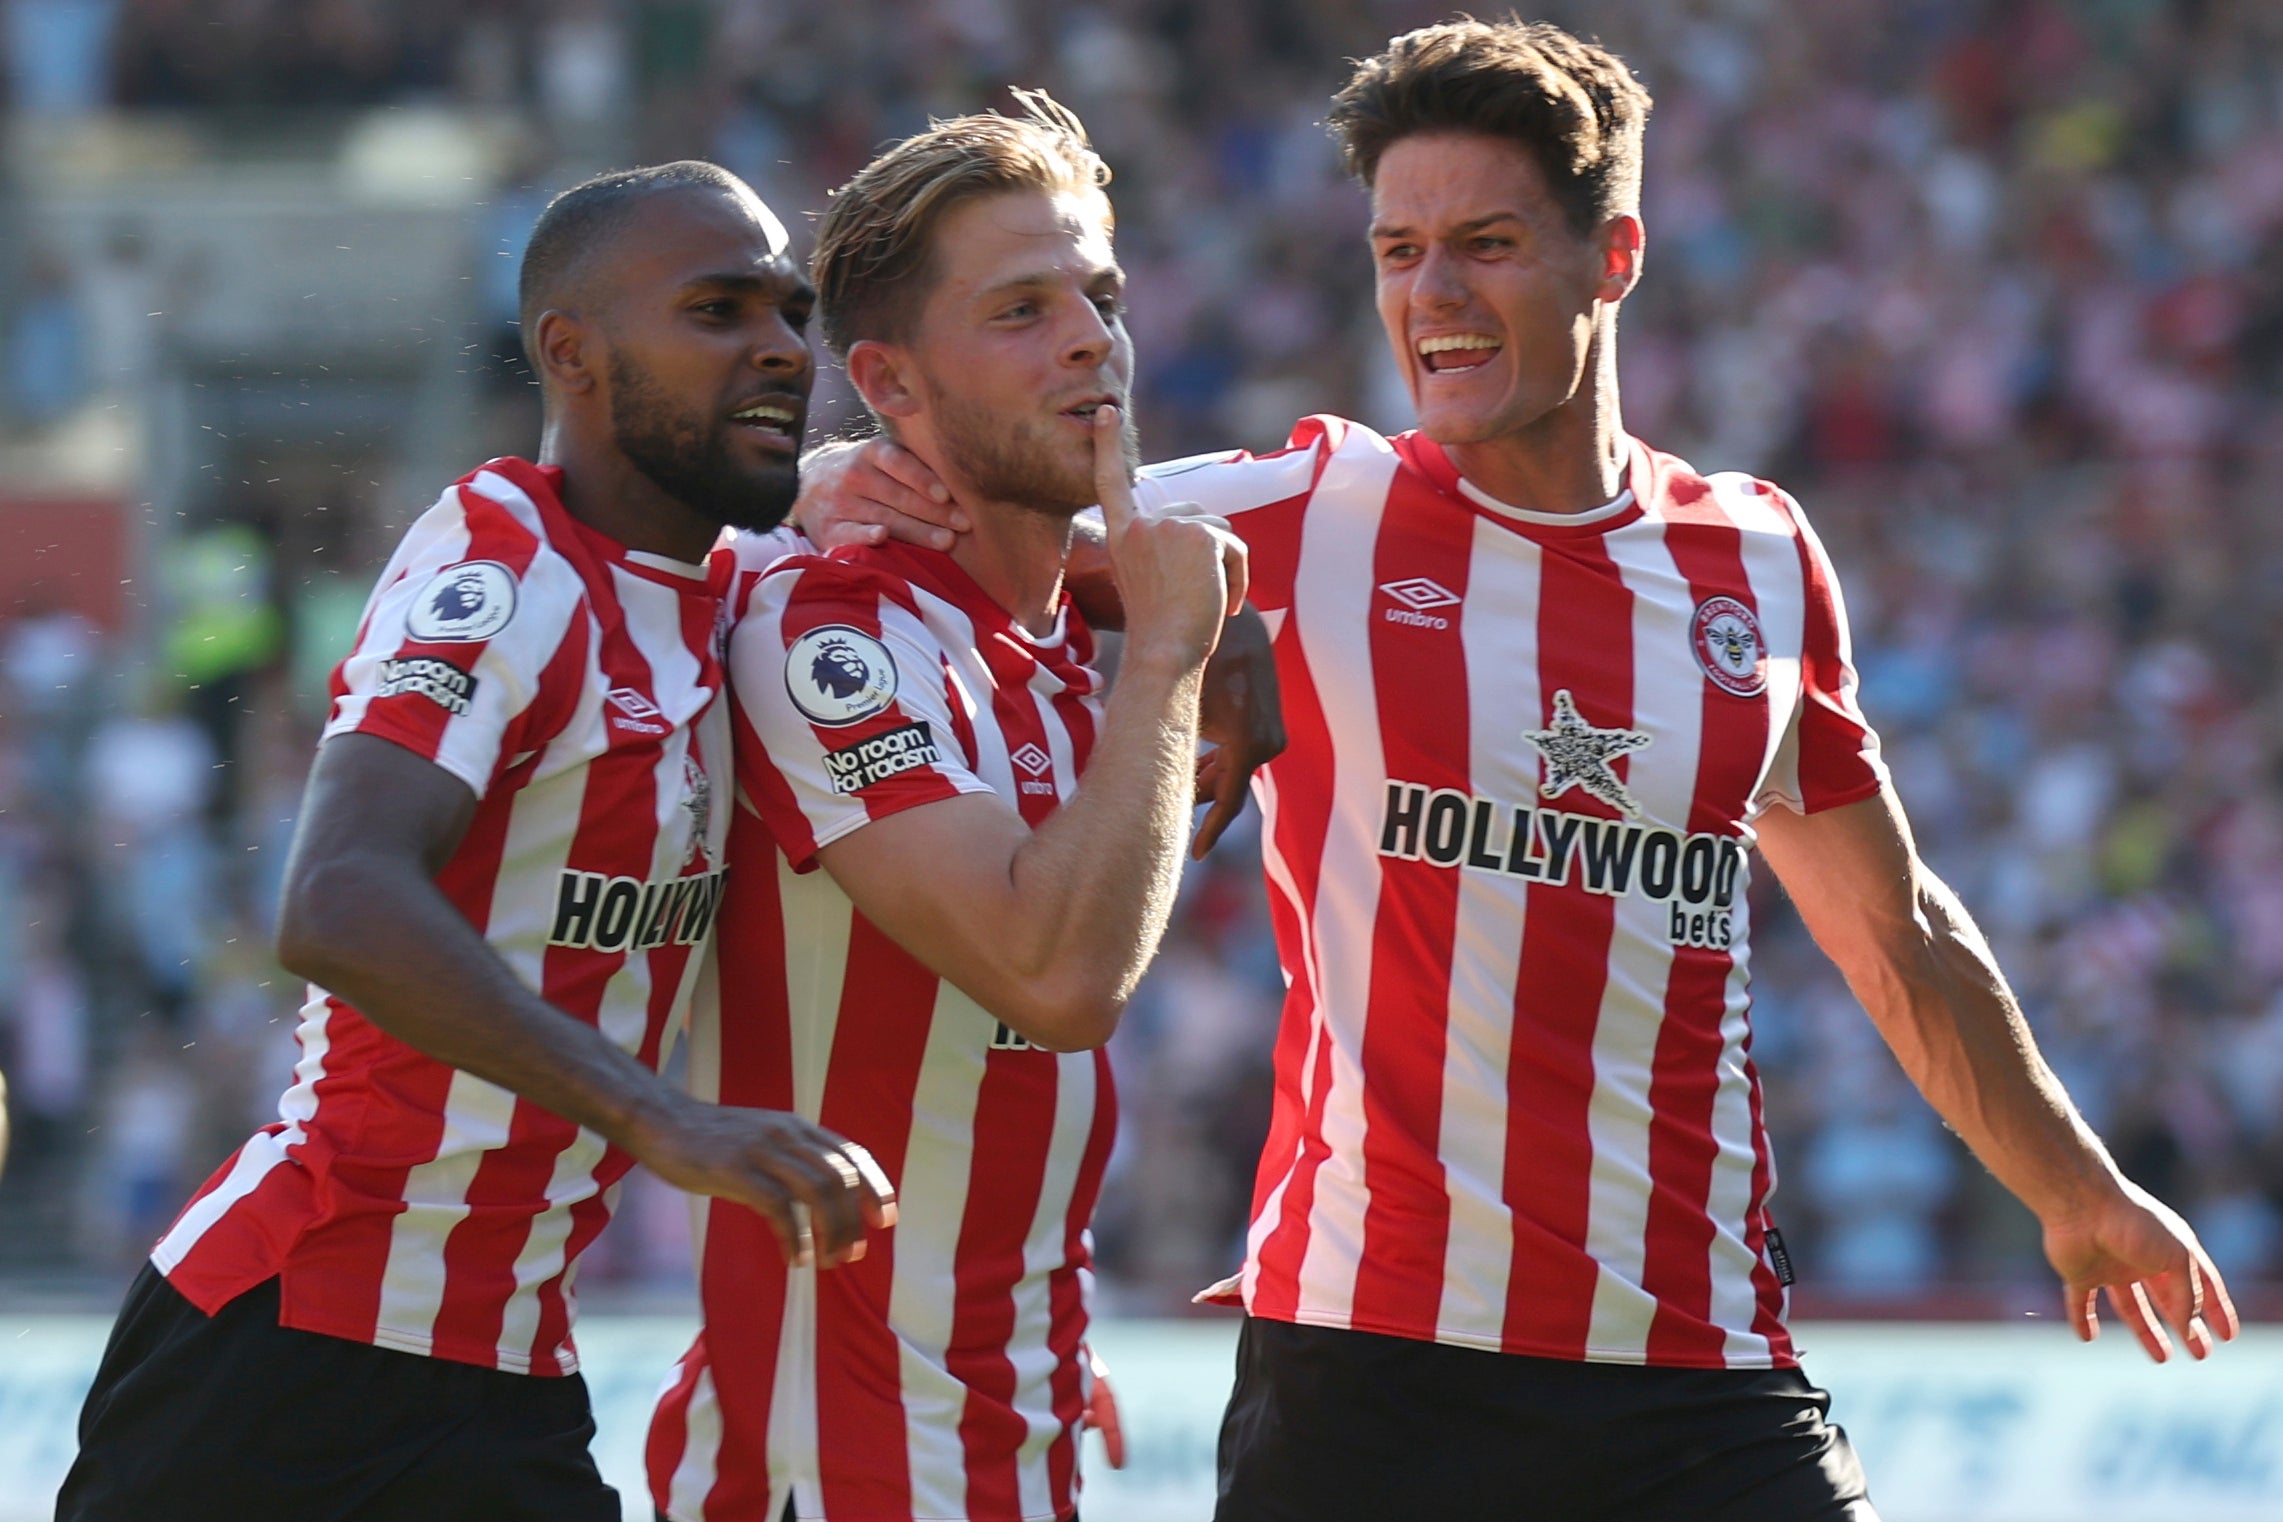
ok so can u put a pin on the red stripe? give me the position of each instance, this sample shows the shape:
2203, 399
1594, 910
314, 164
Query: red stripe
887, 1006
1067, 1293
669, 1432
1014, 1115
1585, 645
1419, 677
1297, 826
1684, 1084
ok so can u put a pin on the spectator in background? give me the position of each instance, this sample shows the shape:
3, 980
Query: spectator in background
1999, 288
46, 351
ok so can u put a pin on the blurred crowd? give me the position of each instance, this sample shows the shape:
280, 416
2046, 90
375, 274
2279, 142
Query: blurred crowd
1994, 286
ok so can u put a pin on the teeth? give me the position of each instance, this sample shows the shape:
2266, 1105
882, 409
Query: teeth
767, 412
1447, 341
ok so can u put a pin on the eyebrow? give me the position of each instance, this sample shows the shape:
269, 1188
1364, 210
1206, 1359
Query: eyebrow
1471, 225
785, 287
1106, 274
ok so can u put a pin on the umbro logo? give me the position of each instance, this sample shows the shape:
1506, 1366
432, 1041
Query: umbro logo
1033, 760
1417, 595
633, 712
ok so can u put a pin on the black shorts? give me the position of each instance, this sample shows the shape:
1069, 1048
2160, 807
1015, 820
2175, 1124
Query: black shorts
218, 1419
1329, 1426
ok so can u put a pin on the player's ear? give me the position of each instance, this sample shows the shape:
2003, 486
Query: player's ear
883, 374
568, 357
1621, 246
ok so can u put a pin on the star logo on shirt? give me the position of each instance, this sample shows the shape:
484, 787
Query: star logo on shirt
1578, 755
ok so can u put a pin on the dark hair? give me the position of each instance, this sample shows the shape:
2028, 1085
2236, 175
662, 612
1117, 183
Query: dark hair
875, 246
583, 219
1573, 104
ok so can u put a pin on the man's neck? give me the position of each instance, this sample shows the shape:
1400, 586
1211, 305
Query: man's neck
603, 489
1016, 555
1571, 460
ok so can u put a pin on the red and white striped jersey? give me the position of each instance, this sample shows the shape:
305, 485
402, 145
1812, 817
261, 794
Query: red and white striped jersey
940, 1376
1515, 1105
569, 682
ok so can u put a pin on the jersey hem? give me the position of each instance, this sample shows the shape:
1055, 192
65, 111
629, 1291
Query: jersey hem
399, 1340
1457, 1338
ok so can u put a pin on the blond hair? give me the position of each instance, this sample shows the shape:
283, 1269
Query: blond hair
874, 263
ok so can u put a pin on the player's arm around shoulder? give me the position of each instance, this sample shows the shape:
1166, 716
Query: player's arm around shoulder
1926, 975
1049, 929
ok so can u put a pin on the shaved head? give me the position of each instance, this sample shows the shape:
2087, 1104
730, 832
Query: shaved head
582, 228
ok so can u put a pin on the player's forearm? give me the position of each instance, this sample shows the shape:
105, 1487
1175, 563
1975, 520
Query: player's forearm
383, 938
1096, 881
1940, 1001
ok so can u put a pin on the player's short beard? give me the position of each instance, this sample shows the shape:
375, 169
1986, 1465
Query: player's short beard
1019, 462
686, 455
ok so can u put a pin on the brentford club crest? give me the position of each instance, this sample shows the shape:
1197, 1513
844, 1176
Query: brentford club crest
1726, 637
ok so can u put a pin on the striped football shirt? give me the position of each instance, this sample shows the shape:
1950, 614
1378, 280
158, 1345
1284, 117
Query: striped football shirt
1506, 853
569, 682
940, 1376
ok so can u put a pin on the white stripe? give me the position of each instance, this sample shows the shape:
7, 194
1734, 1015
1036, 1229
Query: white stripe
255, 1159
1282, 883
701, 1450
931, 1202
1333, 583
1045, 1250
1735, 1299
790, 1445
1501, 653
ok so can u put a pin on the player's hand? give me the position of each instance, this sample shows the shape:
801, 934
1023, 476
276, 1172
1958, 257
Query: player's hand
874, 491
818, 1192
1243, 716
1181, 573
1102, 1409
2138, 1249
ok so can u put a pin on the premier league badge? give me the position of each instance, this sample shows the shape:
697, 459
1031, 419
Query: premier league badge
1726, 637
463, 604
838, 676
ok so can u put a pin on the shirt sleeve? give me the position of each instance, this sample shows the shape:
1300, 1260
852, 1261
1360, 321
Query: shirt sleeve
845, 711
1262, 496
472, 650
1829, 755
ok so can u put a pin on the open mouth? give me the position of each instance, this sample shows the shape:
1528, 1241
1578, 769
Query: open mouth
1446, 352
777, 420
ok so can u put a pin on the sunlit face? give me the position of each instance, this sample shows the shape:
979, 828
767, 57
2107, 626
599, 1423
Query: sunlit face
1020, 340
1488, 297
709, 363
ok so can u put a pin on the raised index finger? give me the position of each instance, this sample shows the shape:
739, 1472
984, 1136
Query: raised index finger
1112, 487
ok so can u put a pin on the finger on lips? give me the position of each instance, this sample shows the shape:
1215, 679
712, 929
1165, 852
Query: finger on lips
1111, 484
